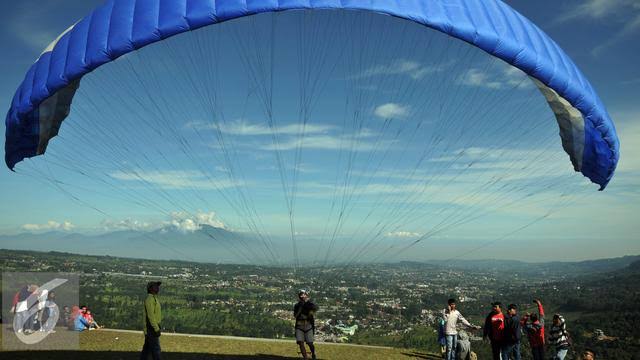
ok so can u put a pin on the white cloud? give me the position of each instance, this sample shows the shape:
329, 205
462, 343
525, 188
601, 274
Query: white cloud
316, 136
630, 27
126, 224
475, 77
34, 37
246, 128
410, 68
392, 111
628, 129
49, 226
515, 77
631, 81
193, 222
403, 234
175, 179
625, 13
324, 142
508, 78
598, 9
182, 221
27, 26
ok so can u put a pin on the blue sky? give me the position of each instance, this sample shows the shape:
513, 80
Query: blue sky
600, 36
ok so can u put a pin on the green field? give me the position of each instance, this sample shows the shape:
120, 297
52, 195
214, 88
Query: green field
114, 345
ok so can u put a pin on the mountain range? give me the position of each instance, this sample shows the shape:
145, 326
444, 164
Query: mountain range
208, 244
216, 245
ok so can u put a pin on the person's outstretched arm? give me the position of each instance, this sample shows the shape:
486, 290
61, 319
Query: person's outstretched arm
464, 321
540, 312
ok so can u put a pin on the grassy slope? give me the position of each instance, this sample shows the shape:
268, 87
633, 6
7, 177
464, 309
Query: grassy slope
113, 345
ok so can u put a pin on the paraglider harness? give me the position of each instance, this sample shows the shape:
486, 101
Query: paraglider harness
304, 316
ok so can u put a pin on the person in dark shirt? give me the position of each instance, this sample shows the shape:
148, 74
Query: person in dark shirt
304, 312
494, 329
512, 334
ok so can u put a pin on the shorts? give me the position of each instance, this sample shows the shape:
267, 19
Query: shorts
305, 333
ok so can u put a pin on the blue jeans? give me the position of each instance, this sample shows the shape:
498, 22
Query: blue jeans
151, 347
452, 342
512, 350
560, 354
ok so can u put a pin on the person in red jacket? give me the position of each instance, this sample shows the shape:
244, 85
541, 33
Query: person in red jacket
494, 329
533, 325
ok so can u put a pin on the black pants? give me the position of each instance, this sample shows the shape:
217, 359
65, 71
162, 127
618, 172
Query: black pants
538, 352
496, 349
151, 347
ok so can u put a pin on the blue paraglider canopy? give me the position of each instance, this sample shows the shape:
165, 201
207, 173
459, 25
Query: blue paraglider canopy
118, 27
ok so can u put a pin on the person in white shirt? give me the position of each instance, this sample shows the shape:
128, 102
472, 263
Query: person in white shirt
451, 318
43, 294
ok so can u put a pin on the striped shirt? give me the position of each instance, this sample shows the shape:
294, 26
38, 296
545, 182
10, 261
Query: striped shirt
558, 335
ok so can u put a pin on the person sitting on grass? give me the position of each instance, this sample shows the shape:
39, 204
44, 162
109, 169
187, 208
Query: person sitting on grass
92, 323
79, 322
463, 346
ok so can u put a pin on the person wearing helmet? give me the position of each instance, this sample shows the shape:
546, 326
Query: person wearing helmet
304, 312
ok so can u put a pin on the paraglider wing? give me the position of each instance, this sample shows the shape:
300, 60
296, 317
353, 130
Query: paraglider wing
44, 98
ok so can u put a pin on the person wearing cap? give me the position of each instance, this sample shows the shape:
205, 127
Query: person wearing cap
152, 318
512, 334
494, 329
304, 312
452, 317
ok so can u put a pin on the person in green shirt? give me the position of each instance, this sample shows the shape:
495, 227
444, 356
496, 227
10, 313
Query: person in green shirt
152, 317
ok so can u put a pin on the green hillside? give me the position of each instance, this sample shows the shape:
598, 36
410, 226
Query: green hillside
114, 345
